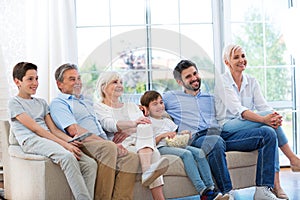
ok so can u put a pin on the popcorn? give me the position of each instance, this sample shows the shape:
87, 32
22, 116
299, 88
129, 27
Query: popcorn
178, 141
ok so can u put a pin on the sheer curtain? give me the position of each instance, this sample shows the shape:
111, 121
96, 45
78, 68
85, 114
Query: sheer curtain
50, 39
42, 32
4, 90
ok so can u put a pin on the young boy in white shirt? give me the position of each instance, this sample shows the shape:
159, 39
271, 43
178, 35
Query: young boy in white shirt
195, 163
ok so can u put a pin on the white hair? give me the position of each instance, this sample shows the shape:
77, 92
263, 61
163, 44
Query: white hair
104, 79
229, 51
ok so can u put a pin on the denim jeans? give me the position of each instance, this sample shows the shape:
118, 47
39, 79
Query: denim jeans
80, 174
238, 124
262, 139
214, 148
195, 164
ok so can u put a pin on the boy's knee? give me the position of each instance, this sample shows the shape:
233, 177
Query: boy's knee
188, 153
93, 164
68, 157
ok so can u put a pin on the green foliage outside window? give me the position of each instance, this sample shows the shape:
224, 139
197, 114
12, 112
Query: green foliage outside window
265, 54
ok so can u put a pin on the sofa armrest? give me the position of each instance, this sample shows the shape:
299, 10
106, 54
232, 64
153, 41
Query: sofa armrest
16, 151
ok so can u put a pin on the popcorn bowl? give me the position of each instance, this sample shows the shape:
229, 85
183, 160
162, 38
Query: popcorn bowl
178, 141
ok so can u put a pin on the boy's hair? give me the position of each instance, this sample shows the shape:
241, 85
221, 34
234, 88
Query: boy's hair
61, 70
148, 97
21, 68
182, 65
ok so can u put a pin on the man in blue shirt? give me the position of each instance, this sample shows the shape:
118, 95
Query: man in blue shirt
74, 115
192, 110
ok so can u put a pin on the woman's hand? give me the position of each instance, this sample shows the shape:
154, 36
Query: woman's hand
143, 120
274, 120
119, 137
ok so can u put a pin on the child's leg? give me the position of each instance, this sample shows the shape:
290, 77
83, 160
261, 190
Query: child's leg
189, 165
65, 159
153, 166
88, 168
145, 156
145, 145
161, 169
157, 193
203, 166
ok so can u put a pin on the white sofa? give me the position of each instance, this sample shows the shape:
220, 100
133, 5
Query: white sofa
35, 177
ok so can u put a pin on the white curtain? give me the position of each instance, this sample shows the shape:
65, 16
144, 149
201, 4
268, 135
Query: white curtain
50, 39
4, 90
38, 31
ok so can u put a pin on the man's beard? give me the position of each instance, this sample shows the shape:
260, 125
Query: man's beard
190, 87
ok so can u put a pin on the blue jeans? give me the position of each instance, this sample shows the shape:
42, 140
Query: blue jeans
262, 139
237, 124
195, 164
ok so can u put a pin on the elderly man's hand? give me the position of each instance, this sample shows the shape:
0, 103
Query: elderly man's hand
121, 150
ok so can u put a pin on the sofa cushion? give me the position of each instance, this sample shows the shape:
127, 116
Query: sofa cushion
16, 151
12, 139
176, 166
237, 159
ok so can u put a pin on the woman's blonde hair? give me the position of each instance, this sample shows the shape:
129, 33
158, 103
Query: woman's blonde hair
229, 51
104, 79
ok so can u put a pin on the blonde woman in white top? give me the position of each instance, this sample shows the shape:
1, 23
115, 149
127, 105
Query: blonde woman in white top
246, 108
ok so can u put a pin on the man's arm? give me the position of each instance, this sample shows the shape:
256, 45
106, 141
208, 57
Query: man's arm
75, 130
56, 131
62, 138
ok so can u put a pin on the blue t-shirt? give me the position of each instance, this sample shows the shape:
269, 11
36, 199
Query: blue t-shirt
66, 110
36, 108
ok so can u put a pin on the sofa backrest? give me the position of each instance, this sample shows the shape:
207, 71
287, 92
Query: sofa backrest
4, 132
4, 128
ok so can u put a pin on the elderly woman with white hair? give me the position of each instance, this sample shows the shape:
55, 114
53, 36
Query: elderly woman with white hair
246, 108
124, 122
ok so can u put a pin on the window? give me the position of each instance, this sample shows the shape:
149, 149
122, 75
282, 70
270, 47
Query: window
144, 40
258, 27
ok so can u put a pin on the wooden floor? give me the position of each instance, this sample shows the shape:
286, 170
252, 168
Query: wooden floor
290, 182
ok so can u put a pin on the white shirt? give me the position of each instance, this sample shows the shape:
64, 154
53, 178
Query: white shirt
109, 116
248, 98
161, 126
